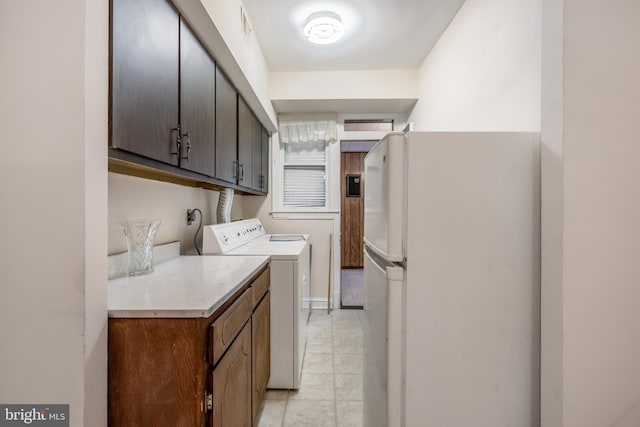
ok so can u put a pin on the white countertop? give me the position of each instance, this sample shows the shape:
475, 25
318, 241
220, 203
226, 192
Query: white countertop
187, 286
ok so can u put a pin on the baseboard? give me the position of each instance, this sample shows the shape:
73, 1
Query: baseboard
318, 303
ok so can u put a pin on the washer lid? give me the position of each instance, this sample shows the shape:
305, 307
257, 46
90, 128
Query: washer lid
277, 249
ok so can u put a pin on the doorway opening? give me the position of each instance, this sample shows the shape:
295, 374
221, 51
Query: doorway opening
352, 191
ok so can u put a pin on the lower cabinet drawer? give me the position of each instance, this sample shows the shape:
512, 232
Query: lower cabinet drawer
260, 286
225, 328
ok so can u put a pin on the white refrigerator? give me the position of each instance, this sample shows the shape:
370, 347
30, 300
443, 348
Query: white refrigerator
451, 316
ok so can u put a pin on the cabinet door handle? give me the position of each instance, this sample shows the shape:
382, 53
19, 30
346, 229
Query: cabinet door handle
178, 141
188, 136
241, 171
235, 169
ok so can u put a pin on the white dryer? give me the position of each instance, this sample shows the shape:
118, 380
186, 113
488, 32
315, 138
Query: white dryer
290, 281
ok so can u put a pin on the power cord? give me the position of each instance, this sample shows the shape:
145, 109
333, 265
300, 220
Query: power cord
191, 214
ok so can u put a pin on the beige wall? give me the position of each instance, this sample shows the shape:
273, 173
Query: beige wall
551, 162
601, 207
360, 84
484, 72
53, 110
135, 198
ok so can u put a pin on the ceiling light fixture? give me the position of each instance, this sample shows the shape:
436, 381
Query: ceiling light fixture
323, 28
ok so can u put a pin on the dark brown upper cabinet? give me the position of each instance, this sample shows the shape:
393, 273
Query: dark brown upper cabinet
174, 115
245, 144
197, 105
264, 173
252, 155
144, 94
256, 153
226, 129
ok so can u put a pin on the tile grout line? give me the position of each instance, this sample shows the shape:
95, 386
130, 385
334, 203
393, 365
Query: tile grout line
333, 370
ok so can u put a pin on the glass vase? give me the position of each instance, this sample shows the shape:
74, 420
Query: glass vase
140, 235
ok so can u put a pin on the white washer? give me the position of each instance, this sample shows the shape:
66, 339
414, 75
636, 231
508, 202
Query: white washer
290, 281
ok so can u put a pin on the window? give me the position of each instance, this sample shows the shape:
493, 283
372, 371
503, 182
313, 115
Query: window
368, 125
304, 175
302, 178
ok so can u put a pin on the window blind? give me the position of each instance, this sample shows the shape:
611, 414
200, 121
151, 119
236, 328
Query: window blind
304, 174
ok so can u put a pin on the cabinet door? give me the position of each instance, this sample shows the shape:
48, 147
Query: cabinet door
144, 72
232, 384
197, 105
245, 144
256, 153
261, 348
264, 183
226, 128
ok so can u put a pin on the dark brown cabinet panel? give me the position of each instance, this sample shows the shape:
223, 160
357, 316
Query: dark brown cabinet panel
149, 382
245, 144
144, 95
226, 128
256, 153
264, 173
261, 349
232, 384
252, 156
197, 105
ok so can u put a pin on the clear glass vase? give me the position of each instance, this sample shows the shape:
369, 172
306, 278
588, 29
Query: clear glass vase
140, 235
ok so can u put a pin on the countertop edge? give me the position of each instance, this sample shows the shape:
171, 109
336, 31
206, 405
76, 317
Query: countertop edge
182, 313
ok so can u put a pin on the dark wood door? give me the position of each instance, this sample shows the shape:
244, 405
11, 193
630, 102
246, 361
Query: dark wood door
352, 212
261, 363
232, 384
197, 104
144, 73
245, 144
264, 184
226, 128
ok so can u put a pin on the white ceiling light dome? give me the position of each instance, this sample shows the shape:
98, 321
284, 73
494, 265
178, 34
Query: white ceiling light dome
324, 27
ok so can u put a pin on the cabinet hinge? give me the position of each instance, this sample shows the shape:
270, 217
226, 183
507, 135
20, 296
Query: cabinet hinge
208, 401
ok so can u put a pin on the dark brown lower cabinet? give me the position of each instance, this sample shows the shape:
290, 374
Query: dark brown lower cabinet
261, 349
231, 381
192, 372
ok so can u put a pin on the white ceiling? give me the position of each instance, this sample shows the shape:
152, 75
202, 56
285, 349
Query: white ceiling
379, 34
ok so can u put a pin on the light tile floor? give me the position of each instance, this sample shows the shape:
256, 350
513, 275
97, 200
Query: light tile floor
330, 393
351, 287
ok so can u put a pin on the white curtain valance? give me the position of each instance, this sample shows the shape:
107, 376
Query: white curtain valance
307, 128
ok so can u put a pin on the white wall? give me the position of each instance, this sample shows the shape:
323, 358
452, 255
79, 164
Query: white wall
135, 198
360, 84
247, 52
484, 72
601, 206
53, 110
551, 185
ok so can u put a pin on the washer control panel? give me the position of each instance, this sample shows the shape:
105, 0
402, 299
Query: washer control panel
222, 238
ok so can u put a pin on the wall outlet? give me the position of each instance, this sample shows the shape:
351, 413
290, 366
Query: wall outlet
191, 216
